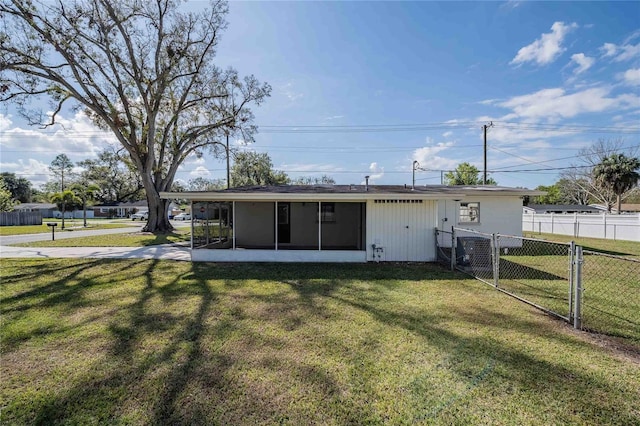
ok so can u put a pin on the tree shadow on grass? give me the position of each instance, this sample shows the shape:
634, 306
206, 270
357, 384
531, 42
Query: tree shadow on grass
211, 363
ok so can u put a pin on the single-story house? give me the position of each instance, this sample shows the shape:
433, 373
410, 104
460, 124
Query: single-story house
47, 209
342, 223
561, 209
119, 209
127, 209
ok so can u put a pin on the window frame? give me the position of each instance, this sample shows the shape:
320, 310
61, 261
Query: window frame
327, 212
469, 207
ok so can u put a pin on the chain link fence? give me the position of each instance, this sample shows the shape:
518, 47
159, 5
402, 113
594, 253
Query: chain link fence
537, 271
593, 291
611, 295
443, 247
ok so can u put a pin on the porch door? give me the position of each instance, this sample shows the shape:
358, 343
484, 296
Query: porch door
284, 225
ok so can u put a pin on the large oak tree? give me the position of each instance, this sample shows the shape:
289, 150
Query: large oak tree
142, 69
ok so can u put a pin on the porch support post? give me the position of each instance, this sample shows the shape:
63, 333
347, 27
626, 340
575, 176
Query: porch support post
191, 224
276, 224
233, 224
219, 222
319, 225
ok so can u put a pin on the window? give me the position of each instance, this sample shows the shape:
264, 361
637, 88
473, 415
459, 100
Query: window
328, 212
469, 213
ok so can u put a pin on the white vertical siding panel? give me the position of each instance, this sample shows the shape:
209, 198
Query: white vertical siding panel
387, 223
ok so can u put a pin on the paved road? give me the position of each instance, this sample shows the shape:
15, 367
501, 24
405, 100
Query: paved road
29, 238
166, 251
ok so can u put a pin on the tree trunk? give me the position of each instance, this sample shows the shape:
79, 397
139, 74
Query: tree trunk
63, 206
619, 202
158, 220
84, 212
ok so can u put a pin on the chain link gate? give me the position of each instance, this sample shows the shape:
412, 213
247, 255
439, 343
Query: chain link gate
593, 291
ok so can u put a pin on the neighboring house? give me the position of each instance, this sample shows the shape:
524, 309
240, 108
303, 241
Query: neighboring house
127, 209
47, 209
561, 208
119, 209
630, 208
343, 223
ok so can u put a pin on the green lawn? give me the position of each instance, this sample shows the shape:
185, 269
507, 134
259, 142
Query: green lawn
159, 342
69, 227
135, 239
611, 298
617, 247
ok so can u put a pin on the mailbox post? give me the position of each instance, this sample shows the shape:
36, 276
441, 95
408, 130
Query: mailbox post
52, 225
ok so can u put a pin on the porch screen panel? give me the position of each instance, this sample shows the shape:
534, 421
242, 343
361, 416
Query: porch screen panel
342, 226
212, 225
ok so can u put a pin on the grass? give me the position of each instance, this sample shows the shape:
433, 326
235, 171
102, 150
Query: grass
159, 342
616, 247
611, 298
69, 227
134, 239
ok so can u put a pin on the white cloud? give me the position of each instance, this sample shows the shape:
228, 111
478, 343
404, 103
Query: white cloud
428, 159
547, 48
33, 170
5, 122
583, 62
623, 52
77, 137
609, 49
447, 134
632, 76
556, 103
377, 173
200, 171
333, 117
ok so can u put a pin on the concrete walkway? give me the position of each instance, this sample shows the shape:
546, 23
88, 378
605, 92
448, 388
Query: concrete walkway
166, 251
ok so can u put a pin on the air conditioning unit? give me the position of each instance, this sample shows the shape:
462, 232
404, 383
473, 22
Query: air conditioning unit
473, 251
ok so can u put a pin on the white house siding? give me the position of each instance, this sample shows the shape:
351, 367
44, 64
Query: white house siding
497, 215
403, 228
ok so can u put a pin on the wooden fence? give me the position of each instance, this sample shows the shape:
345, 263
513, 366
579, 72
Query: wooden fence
20, 218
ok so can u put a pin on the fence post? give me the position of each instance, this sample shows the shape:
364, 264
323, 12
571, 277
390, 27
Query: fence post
453, 249
577, 319
495, 256
572, 256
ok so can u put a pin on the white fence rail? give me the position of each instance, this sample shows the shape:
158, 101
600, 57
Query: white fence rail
609, 226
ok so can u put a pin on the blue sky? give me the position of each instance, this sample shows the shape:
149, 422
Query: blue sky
553, 77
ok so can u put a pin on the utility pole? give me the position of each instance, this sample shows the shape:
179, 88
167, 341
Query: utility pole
484, 175
414, 166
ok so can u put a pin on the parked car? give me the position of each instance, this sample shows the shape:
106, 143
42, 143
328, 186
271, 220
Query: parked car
182, 216
140, 216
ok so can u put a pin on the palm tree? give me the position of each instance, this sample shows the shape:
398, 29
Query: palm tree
618, 174
85, 192
63, 199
